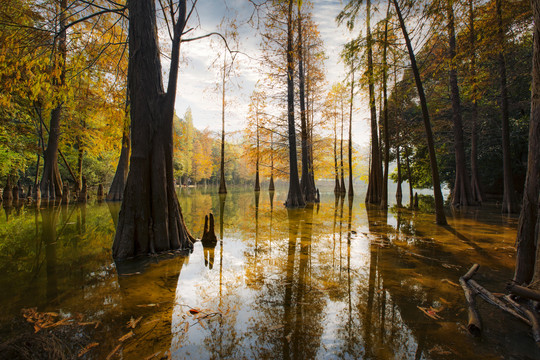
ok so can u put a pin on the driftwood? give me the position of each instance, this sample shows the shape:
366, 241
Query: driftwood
530, 314
474, 323
509, 305
522, 291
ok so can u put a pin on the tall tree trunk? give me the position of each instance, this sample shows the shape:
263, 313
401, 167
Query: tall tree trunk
509, 198
307, 182
373, 195
150, 220
116, 191
51, 175
351, 189
337, 187
341, 167
409, 176
257, 184
222, 185
439, 205
80, 154
526, 235
384, 196
462, 190
476, 190
295, 198
271, 186
399, 191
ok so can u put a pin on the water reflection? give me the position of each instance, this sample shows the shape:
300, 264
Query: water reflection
337, 281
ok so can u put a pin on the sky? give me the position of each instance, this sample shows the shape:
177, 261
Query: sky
198, 79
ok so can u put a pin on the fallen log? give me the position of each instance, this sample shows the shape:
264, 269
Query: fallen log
522, 291
531, 316
474, 324
493, 300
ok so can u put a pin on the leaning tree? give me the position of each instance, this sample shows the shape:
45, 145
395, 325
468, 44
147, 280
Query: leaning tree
150, 219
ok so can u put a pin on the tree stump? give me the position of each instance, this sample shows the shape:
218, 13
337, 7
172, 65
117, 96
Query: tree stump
83, 194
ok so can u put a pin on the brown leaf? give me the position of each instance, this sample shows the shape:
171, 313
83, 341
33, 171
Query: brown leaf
126, 336
156, 354
87, 348
429, 312
450, 282
186, 328
194, 311
132, 323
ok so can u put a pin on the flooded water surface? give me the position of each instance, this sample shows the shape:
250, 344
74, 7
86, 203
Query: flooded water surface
337, 280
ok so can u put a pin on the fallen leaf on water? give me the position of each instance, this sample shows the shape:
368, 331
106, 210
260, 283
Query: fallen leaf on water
186, 328
450, 266
444, 301
151, 321
202, 324
132, 323
126, 336
194, 311
87, 348
449, 282
429, 312
115, 350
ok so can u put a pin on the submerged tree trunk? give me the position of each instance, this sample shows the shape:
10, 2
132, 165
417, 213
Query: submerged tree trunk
51, 175
462, 190
527, 232
341, 167
222, 185
439, 205
509, 198
271, 186
476, 190
116, 191
150, 220
295, 198
373, 195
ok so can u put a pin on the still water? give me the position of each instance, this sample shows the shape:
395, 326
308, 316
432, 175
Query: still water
337, 280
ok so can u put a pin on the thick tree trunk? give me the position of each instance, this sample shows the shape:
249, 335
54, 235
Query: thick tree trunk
51, 175
295, 198
509, 198
476, 190
373, 195
384, 195
150, 220
439, 204
116, 191
307, 181
222, 185
462, 190
527, 233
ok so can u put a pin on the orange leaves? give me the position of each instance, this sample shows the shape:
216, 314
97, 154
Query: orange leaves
44, 320
431, 312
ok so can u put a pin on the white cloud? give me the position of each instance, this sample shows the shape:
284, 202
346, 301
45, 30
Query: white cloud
197, 81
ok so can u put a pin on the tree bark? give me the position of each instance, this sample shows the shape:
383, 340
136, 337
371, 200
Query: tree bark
509, 198
295, 198
373, 195
257, 183
343, 189
409, 176
150, 220
462, 190
527, 232
399, 191
116, 191
337, 187
271, 186
439, 205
